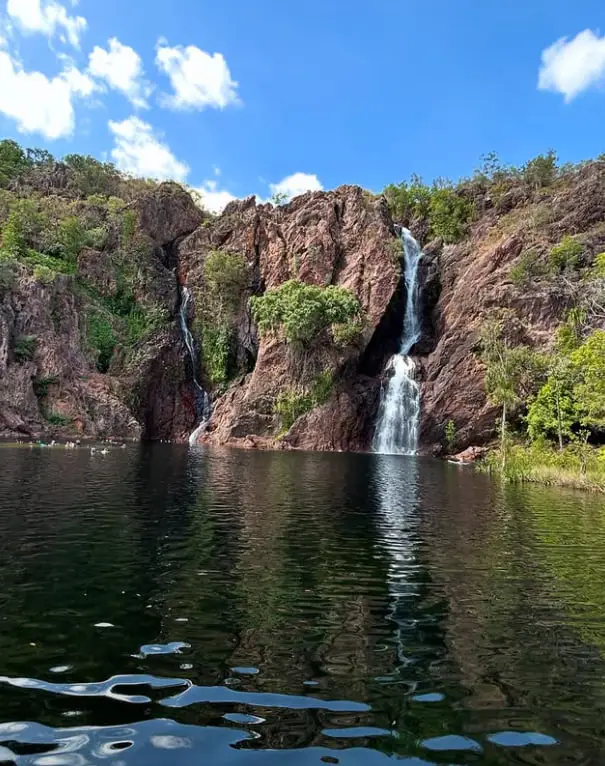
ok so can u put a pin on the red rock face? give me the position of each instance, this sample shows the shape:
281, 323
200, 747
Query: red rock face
341, 238
475, 279
148, 395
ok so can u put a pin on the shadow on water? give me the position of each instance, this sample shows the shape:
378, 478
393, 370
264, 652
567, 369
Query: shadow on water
169, 606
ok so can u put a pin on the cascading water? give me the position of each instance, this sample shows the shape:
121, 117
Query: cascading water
399, 413
202, 399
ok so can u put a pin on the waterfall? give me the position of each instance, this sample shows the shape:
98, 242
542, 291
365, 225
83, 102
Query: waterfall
202, 400
399, 413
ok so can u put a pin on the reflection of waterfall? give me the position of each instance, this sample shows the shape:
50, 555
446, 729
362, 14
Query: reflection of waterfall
202, 400
397, 493
399, 414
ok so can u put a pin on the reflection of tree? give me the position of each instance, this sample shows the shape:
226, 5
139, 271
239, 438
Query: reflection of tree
517, 654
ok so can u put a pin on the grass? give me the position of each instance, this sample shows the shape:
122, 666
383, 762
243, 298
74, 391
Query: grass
578, 467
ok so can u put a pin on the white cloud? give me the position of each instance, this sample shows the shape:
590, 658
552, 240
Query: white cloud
39, 104
213, 199
47, 17
122, 68
572, 66
199, 80
296, 184
139, 151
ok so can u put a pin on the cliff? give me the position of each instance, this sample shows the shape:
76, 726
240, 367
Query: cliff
91, 342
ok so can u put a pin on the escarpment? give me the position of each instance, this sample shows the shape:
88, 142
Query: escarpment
293, 314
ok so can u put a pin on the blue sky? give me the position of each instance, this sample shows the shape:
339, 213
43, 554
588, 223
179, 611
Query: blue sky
237, 98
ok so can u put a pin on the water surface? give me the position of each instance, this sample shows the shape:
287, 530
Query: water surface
166, 607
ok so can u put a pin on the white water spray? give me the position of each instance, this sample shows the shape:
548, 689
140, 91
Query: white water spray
399, 413
202, 399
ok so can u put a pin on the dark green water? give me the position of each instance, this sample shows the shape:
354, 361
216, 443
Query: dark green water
166, 607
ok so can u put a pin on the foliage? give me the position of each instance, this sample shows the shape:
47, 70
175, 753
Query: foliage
552, 414
101, 339
278, 199
142, 322
566, 255
301, 311
512, 372
225, 278
588, 361
44, 274
96, 237
42, 384
57, 419
292, 404
25, 348
92, 176
599, 266
450, 214
451, 435
408, 199
528, 268
541, 171
23, 225
13, 161
347, 333
71, 237
448, 211
7, 274
574, 466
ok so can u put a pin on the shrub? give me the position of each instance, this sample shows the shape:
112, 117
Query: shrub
527, 268
71, 237
57, 419
225, 279
451, 435
13, 161
599, 266
25, 348
347, 333
301, 311
408, 200
42, 384
566, 255
450, 214
7, 274
101, 339
96, 238
44, 275
141, 322
292, 404
22, 227
541, 171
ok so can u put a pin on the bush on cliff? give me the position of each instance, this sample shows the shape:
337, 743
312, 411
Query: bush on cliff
225, 278
291, 404
300, 312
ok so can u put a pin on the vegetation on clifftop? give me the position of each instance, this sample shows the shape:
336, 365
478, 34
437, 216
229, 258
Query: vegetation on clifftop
52, 215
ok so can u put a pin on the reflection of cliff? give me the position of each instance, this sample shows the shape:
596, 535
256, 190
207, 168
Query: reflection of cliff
304, 598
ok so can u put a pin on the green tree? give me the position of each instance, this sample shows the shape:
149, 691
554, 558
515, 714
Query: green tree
542, 170
566, 255
553, 411
301, 311
72, 237
13, 161
22, 228
510, 373
225, 279
450, 213
589, 391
